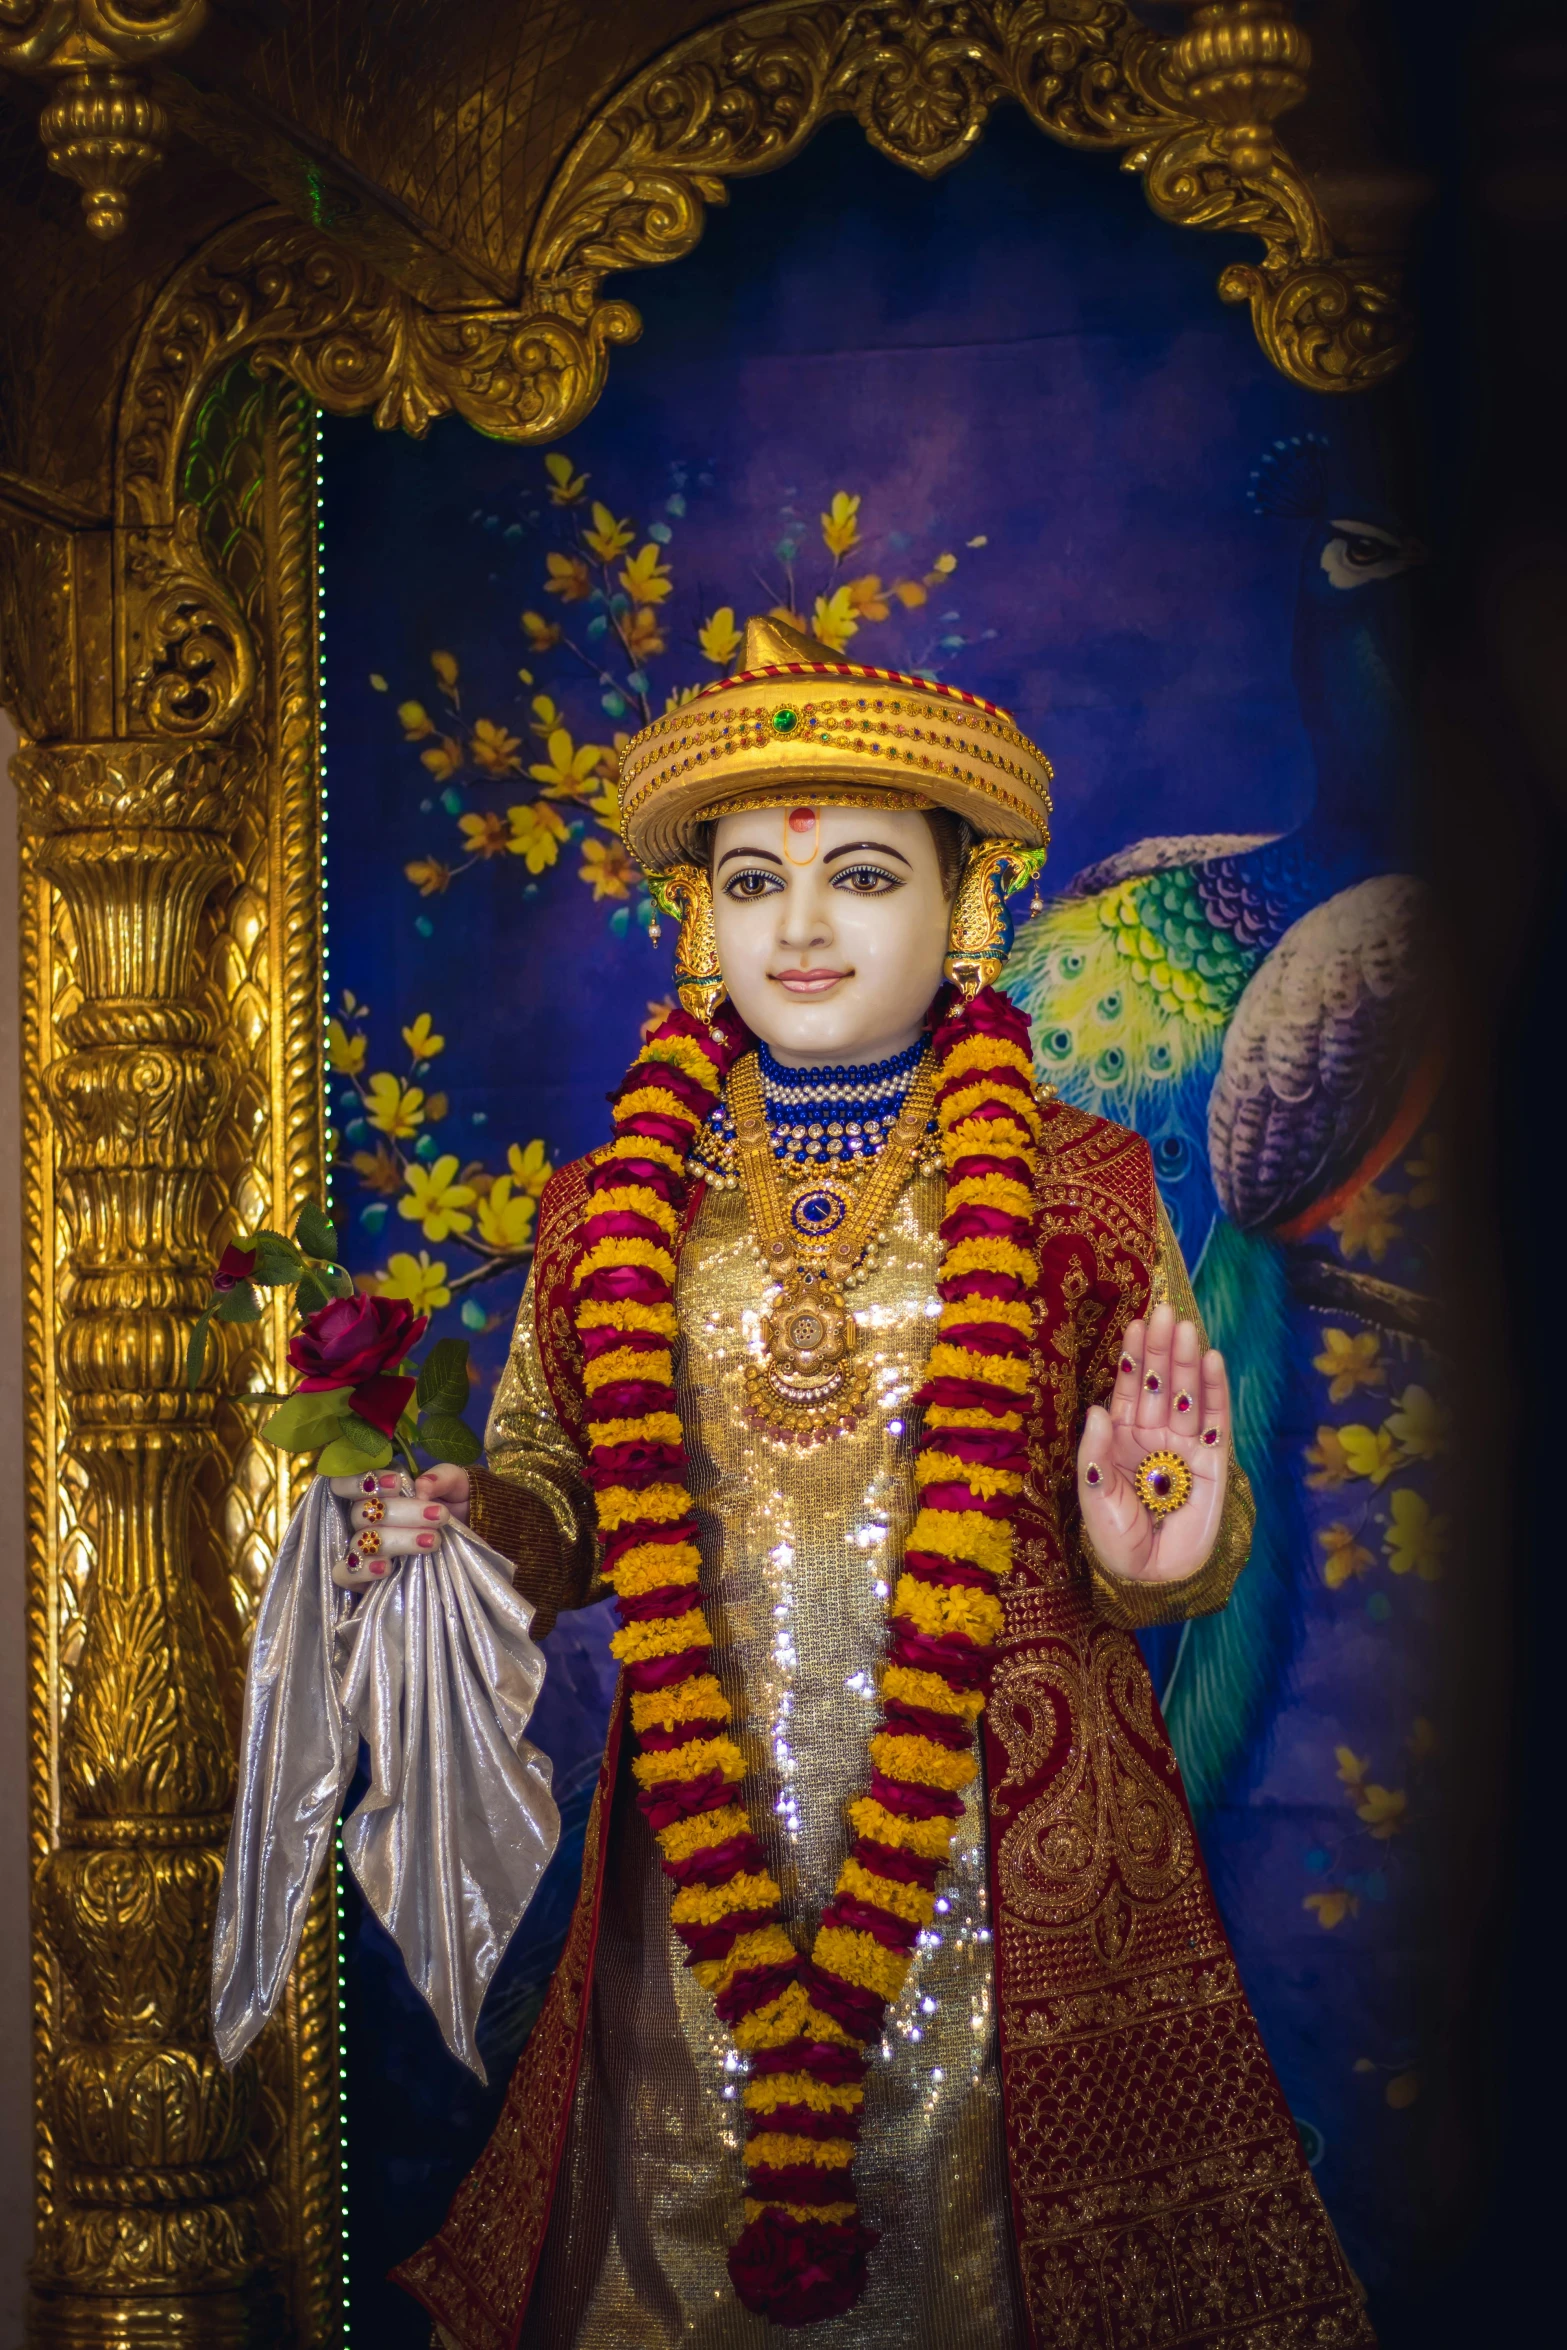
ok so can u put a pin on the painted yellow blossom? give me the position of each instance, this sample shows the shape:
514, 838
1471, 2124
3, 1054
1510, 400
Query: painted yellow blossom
445, 667
1415, 1539
1326, 1465
1382, 1810
910, 593
658, 1012
396, 1109
569, 765
1425, 1171
436, 1108
378, 1170
606, 869
679, 697
536, 835
606, 807
643, 637
422, 1283
344, 1053
540, 633
568, 577
430, 876
644, 577
1345, 1556
942, 568
833, 620
1420, 1424
530, 1167
1370, 1452
1352, 1768
483, 835
841, 525
443, 758
1348, 1363
866, 597
505, 1217
493, 749
1369, 1222
566, 486
435, 1200
422, 1040
1402, 2090
415, 721
1334, 1907
607, 538
719, 638
545, 717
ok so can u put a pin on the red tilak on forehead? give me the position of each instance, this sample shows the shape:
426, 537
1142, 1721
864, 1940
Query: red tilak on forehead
803, 825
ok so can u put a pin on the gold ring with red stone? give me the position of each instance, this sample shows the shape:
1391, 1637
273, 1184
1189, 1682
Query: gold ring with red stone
1162, 1482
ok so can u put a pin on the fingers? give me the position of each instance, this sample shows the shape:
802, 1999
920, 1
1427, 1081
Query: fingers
1128, 1376
393, 1542
1214, 1434
1185, 1380
445, 1482
373, 1481
1152, 1413
418, 1514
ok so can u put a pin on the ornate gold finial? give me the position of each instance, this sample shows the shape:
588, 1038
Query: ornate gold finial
1241, 66
101, 128
685, 893
979, 935
770, 643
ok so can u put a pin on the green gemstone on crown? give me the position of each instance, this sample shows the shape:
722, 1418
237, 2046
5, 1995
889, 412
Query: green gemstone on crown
785, 721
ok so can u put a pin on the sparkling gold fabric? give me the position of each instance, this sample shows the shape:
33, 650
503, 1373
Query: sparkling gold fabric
796, 1550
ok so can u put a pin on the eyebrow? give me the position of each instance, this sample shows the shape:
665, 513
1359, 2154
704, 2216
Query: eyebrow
765, 854
856, 848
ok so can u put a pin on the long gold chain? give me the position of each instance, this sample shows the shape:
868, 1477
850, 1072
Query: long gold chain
809, 1383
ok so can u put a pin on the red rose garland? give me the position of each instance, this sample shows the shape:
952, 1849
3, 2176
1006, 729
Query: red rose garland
805, 2023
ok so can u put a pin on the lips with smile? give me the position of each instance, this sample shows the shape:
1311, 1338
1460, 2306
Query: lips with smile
808, 983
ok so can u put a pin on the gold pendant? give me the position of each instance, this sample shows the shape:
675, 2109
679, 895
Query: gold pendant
809, 1382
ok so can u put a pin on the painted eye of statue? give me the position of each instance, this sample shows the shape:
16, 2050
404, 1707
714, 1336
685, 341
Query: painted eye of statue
750, 883
867, 881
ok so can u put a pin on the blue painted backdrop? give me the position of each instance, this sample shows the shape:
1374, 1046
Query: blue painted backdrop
1001, 430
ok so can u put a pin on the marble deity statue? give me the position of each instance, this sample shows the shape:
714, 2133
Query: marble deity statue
867, 1376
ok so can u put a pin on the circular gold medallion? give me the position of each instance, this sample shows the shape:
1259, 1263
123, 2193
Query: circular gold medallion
1162, 1482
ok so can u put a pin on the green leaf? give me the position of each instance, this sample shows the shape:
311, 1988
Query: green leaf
447, 1439
239, 1304
196, 1352
278, 1262
312, 1292
301, 1422
314, 1233
361, 1432
443, 1380
342, 1459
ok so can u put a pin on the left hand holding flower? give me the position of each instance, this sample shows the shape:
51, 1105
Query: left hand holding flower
1168, 1398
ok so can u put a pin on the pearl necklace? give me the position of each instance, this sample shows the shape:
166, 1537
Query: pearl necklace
816, 1117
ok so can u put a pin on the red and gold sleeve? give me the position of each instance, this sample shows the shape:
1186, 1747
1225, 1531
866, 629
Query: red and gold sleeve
1132, 1606
532, 1502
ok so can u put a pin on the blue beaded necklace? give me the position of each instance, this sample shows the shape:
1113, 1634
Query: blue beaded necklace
824, 1115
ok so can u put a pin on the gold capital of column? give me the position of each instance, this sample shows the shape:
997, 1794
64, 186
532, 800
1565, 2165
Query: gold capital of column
159, 2236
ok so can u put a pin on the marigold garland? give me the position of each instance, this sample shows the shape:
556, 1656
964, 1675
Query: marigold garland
806, 2022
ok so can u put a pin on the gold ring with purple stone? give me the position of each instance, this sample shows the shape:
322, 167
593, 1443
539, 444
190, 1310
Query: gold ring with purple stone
1162, 1483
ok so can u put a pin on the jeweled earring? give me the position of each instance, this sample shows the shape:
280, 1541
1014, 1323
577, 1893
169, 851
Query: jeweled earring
685, 894
979, 936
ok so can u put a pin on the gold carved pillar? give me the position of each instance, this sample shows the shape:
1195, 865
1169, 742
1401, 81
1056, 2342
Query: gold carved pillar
159, 2234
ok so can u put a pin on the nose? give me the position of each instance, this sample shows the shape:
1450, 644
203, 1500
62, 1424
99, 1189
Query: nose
804, 922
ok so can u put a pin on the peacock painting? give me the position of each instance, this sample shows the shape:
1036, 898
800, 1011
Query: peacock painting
1258, 1007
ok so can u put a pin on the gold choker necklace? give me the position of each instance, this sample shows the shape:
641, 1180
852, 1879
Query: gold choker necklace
810, 1383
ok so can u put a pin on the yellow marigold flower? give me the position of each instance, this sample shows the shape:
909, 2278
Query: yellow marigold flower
1370, 1221
644, 577
607, 869
833, 621
530, 1168
430, 876
1415, 1539
624, 1314
704, 1905
396, 1109
931, 1839
536, 835
637, 1642
1015, 1313
990, 1191
770, 2090
651, 1097
697, 1700
943, 1608
541, 634
945, 1468
660, 1505
635, 1199
860, 1958
866, 597
840, 525
1370, 1452
954, 1415
624, 1252
607, 537
569, 766
931, 1691
435, 1200
651, 1428
505, 1216
1345, 1556
965, 1534
774, 2149
1350, 1362
422, 1283
985, 1052
650, 1566
921, 1761
1420, 1424
688, 1762
568, 577
566, 485
683, 1837
768, 1946
643, 637
625, 1362
344, 1053
421, 1039
956, 1362
493, 749
681, 1053
719, 638
902, 1901
643, 1146
1333, 1907
1327, 1462
415, 721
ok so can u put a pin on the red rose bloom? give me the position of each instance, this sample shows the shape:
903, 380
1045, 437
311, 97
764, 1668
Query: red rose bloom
356, 1342
235, 1265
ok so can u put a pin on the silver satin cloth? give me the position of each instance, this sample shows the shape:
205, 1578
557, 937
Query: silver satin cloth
435, 1672
798, 1549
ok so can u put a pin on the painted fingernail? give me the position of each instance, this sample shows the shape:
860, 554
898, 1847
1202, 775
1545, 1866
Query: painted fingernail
378, 1567
435, 1513
1091, 1474
1183, 1403
427, 1542
1210, 1436
388, 1481
1127, 1364
1152, 1383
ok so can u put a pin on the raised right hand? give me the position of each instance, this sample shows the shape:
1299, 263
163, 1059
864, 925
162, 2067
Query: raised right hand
389, 1525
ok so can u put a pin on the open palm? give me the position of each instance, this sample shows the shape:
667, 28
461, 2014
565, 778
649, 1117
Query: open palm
1172, 1398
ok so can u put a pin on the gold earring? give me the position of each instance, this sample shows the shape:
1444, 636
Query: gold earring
979, 936
685, 894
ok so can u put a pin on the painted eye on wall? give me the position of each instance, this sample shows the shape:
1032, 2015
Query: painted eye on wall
1172, 1155
1072, 963
1109, 1007
1160, 1060
1361, 551
1110, 1067
1058, 1044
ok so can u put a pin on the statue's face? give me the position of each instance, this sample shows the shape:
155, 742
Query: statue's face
832, 925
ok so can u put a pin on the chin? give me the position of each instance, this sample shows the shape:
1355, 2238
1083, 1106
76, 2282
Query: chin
835, 1028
